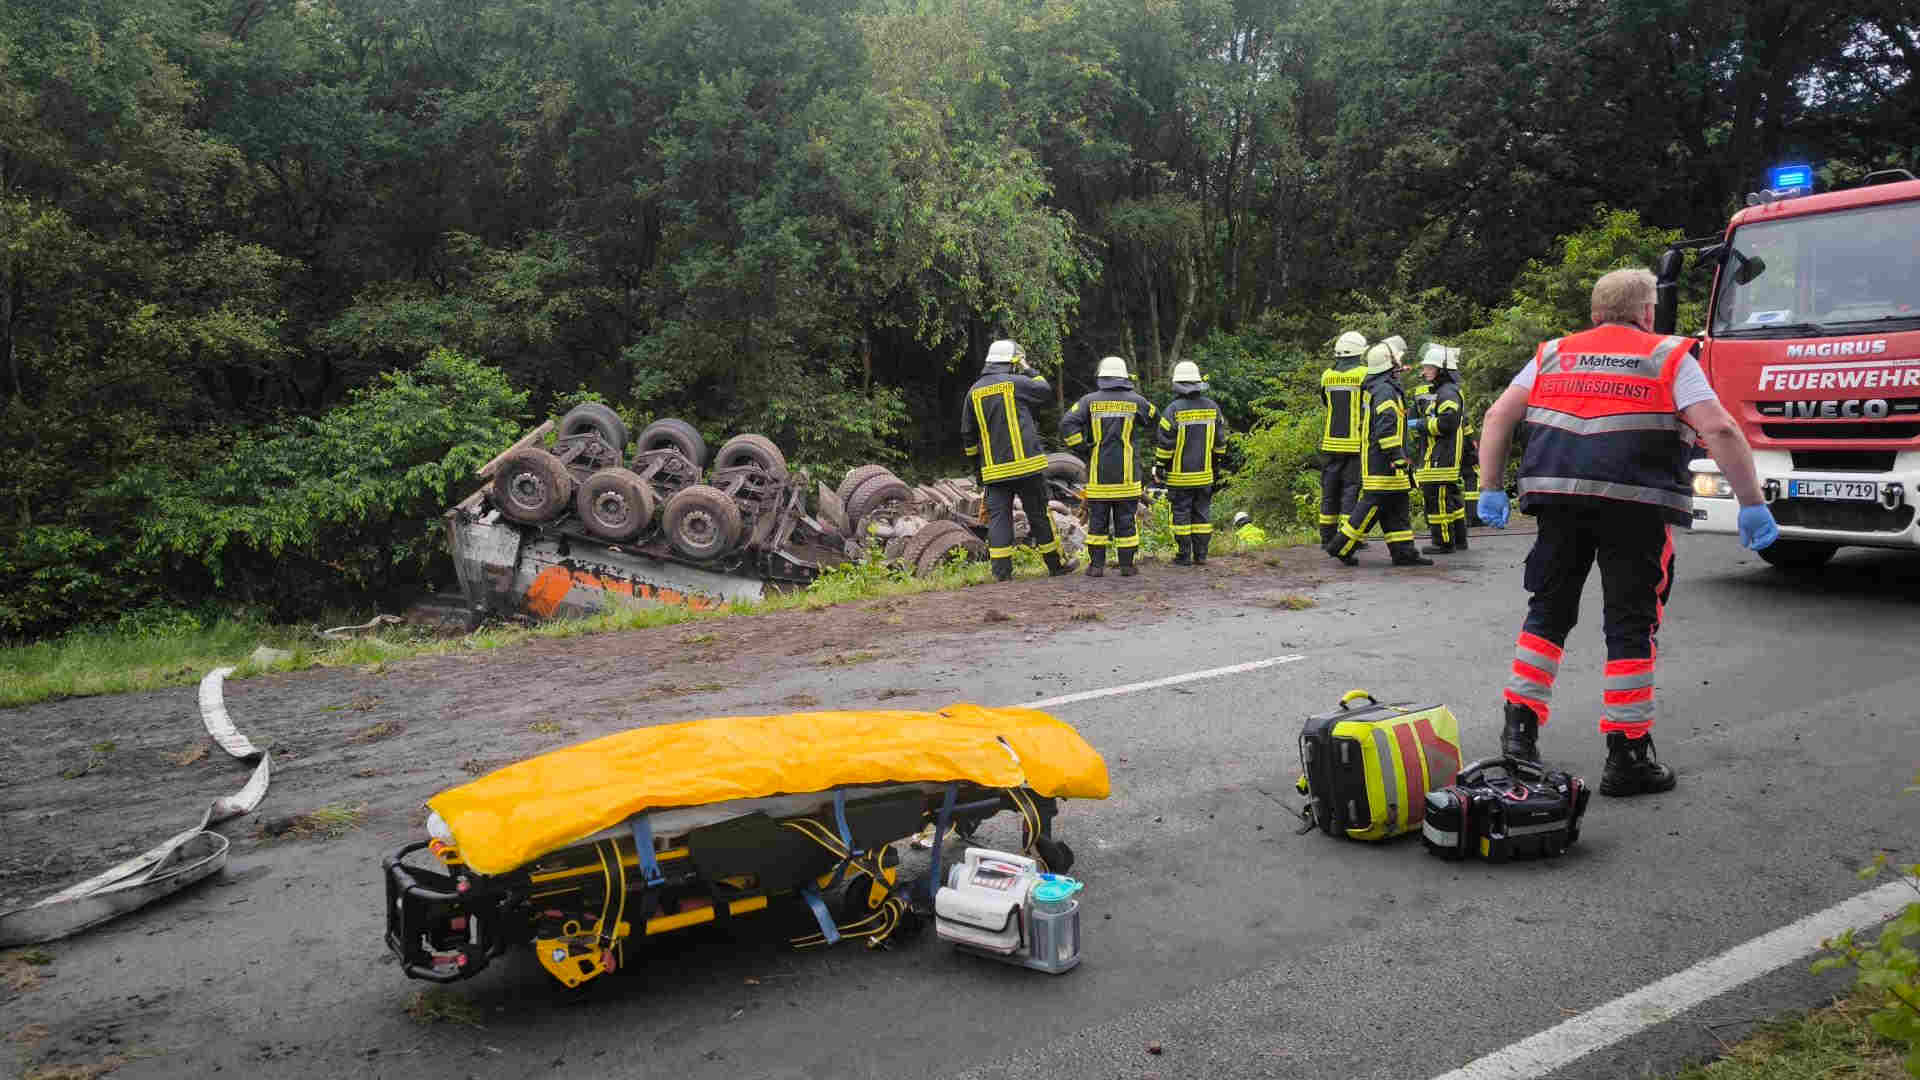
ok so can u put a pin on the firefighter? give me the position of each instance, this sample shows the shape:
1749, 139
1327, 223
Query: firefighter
1249, 534
997, 423
1105, 422
1438, 473
1611, 415
1469, 452
1384, 485
1192, 442
1342, 432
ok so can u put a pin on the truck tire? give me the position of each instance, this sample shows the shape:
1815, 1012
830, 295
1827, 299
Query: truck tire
752, 450
1800, 555
876, 493
856, 476
531, 486
599, 419
927, 551
614, 504
675, 435
896, 548
701, 522
1066, 468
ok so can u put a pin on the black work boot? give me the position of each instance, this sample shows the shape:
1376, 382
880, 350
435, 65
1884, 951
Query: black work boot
1404, 554
1185, 544
1058, 567
1327, 533
1333, 546
1127, 568
1459, 536
1440, 545
1632, 769
1003, 569
1200, 542
1521, 738
1096, 561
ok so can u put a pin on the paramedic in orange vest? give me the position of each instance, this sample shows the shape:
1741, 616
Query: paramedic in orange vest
1610, 414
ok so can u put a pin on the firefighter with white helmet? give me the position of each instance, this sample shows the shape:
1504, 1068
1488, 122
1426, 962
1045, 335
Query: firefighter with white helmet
1384, 485
1104, 424
1342, 432
997, 423
1191, 444
1442, 420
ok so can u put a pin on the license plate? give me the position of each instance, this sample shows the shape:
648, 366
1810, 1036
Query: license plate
1845, 490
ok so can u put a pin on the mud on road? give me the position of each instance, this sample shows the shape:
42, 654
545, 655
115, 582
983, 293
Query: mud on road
87, 782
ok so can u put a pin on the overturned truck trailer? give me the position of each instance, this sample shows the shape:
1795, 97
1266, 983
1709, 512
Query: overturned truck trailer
575, 524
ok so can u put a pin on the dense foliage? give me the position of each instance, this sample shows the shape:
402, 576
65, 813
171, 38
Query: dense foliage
221, 220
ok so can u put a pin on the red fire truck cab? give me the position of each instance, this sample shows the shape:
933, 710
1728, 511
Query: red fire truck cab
1813, 344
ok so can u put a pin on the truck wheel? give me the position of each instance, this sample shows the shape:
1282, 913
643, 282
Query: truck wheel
614, 504
599, 419
701, 522
856, 476
672, 434
531, 486
876, 492
752, 450
956, 538
1066, 468
1798, 554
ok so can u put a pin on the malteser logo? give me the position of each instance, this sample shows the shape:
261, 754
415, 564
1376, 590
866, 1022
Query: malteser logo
1874, 347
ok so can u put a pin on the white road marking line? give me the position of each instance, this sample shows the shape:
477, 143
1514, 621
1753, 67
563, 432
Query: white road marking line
1659, 1002
1155, 684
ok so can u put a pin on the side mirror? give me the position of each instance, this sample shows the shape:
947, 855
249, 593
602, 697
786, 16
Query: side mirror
1750, 267
1668, 266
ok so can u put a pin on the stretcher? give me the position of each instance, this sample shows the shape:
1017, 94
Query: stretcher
584, 851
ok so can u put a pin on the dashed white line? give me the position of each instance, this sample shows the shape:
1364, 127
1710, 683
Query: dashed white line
1155, 684
1659, 1002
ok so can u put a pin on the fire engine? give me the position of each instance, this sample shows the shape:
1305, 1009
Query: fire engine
1812, 341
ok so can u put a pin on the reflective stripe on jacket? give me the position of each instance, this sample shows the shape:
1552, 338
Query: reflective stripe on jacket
1382, 463
1601, 423
1342, 428
1104, 424
997, 422
1192, 440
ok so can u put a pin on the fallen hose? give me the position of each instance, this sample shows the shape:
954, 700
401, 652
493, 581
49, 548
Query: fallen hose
187, 857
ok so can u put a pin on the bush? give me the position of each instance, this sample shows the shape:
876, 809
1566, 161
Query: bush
1279, 484
53, 575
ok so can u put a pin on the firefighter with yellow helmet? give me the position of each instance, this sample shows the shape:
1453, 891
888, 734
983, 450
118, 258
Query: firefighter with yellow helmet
1104, 424
1191, 444
1342, 432
1385, 488
997, 423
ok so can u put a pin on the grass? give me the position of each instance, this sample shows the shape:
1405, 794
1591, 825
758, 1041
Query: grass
327, 822
111, 661
440, 1006
1290, 602
1827, 1044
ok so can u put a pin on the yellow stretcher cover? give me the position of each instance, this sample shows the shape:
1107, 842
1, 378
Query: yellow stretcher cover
510, 817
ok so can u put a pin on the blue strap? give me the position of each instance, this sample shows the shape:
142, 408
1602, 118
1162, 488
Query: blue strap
828, 928
643, 846
846, 839
940, 825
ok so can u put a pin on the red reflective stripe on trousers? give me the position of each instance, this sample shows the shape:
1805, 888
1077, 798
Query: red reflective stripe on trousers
1542, 645
1531, 674
1636, 730
1627, 697
1630, 667
1539, 708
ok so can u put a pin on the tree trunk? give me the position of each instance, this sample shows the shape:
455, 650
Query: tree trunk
866, 358
1153, 314
1186, 308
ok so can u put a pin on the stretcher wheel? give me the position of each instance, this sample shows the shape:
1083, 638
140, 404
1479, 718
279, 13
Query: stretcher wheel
752, 450
599, 419
701, 522
672, 434
856, 476
1057, 855
614, 504
531, 486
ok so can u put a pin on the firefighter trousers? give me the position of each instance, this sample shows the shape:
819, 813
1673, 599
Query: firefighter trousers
1634, 550
1115, 523
1339, 491
1446, 514
1191, 529
1391, 510
1032, 493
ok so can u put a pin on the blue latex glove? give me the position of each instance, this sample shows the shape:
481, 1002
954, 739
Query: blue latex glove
1416, 423
1494, 510
1757, 529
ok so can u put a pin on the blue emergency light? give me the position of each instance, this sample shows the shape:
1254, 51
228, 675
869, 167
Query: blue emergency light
1790, 179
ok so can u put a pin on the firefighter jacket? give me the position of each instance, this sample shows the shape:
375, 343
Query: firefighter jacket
997, 424
1192, 439
1601, 423
1383, 461
1446, 432
1342, 429
1105, 423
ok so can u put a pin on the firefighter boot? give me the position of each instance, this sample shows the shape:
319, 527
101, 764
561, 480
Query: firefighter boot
1200, 542
1521, 739
1440, 545
1185, 543
1096, 560
1059, 567
1327, 533
1003, 569
1459, 536
1404, 554
1126, 563
1632, 769
1333, 546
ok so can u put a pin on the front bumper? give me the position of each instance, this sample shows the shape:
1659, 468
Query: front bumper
1894, 522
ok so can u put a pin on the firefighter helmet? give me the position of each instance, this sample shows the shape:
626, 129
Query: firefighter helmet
1186, 371
1112, 367
1397, 344
1351, 343
1241, 518
1453, 358
1434, 356
1004, 355
1379, 359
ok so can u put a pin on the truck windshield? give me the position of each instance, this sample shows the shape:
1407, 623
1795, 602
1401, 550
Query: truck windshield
1822, 275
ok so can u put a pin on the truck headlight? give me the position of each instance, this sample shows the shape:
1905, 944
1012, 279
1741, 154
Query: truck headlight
1711, 485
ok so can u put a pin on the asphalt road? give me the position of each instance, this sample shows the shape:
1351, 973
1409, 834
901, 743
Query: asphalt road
1212, 929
